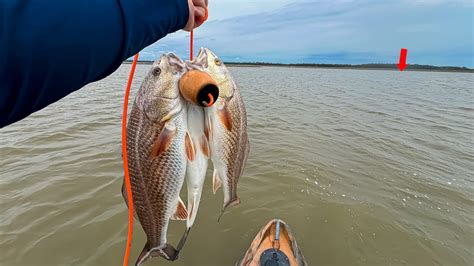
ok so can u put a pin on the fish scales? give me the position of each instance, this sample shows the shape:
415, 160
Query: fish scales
152, 192
226, 127
234, 143
156, 155
163, 147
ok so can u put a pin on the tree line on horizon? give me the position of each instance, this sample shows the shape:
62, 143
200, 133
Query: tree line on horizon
361, 66
371, 65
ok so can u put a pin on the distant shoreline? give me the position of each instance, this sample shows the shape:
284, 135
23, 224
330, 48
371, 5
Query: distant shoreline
392, 67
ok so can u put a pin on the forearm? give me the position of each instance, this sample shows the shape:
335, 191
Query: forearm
50, 48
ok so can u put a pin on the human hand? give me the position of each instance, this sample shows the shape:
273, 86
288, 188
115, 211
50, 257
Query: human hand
197, 14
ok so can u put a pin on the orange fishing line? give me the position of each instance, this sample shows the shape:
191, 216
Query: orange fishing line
191, 36
211, 98
125, 162
191, 45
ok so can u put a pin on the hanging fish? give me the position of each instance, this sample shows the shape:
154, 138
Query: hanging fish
199, 90
156, 148
225, 129
197, 162
197, 151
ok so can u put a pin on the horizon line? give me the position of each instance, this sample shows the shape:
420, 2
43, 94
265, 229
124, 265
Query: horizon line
360, 66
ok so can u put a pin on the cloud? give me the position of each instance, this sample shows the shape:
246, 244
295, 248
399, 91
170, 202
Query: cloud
468, 3
435, 32
222, 9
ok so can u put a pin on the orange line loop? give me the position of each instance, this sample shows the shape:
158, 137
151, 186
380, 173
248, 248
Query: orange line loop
211, 98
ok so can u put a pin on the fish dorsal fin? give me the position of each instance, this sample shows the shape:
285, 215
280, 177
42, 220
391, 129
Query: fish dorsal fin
181, 213
176, 63
164, 140
216, 182
190, 150
225, 117
201, 58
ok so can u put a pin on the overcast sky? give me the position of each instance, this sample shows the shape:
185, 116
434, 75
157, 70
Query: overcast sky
437, 32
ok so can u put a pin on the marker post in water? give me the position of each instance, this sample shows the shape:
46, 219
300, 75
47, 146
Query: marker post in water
402, 64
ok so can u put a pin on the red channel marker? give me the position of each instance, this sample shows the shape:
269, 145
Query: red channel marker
403, 59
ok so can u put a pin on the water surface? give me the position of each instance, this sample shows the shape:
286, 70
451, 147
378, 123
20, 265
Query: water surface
367, 167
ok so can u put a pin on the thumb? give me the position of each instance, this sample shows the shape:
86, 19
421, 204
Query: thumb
200, 14
190, 24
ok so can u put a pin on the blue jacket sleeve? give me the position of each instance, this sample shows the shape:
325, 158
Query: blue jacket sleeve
50, 48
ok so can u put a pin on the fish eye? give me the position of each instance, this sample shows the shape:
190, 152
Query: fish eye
156, 71
217, 61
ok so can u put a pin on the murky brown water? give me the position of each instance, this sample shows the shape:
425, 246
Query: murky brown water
367, 167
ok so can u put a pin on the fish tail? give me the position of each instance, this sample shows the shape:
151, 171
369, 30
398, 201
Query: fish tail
166, 251
220, 215
235, 201
231, 203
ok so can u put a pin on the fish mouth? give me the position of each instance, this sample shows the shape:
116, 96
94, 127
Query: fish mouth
200, 61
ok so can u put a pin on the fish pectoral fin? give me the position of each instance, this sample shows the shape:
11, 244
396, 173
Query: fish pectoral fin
225, 117
208, 128
205, 146
181, 213
216, 182
164, 140
190, 150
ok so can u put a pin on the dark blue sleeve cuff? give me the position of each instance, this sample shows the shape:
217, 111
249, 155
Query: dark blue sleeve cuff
149, 20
